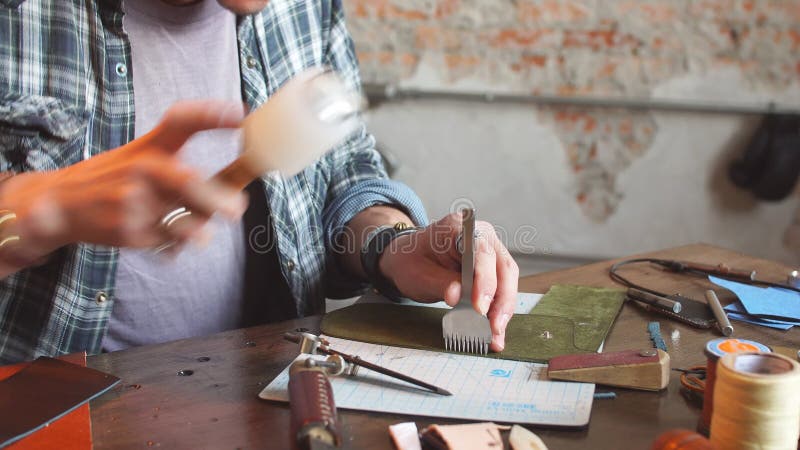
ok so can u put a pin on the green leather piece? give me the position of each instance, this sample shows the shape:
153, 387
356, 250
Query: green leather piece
577, 318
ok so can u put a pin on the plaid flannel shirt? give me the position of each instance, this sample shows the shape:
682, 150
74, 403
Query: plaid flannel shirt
66, 94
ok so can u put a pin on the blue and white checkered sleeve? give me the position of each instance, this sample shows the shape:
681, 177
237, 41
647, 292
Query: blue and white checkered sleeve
360, 196
357, 178
343, 207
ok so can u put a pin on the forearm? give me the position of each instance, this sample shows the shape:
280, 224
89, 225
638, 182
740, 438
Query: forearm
355, 233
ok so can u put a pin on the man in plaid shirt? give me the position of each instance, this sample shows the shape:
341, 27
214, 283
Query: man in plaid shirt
104, 129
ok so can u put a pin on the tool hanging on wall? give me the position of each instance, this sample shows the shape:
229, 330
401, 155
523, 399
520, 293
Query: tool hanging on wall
770, 165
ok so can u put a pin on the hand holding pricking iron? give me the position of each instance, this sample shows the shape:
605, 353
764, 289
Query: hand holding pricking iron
426, 266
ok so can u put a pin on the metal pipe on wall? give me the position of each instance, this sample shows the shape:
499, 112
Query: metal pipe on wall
379, 93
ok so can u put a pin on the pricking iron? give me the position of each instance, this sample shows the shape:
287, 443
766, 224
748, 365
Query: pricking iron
463, 328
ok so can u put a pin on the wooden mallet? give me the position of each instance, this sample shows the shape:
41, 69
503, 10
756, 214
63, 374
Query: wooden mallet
307, 116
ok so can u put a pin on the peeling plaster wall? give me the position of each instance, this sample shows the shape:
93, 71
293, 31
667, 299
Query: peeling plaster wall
584, 181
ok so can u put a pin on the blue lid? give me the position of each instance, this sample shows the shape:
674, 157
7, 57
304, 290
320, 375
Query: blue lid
722, 346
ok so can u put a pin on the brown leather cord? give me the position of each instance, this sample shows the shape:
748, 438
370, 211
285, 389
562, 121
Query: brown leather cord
687, 268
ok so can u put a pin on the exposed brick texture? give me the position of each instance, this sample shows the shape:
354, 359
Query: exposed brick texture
630, 45
581, 47
599, 143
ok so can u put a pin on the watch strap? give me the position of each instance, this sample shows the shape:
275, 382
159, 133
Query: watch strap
371, 252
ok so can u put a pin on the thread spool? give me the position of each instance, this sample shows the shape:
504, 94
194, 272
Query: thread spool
756, 402
715, 349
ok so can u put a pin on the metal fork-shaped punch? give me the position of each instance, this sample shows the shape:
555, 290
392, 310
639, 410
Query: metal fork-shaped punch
464, 329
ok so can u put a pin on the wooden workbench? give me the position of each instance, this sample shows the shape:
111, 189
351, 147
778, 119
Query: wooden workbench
217, 406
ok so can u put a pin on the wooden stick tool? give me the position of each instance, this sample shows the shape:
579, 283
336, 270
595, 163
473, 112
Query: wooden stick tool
634, 369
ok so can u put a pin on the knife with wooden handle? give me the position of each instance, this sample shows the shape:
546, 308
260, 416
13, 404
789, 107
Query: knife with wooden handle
314, 423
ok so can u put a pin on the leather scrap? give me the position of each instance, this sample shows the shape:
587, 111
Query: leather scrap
45, 391
471, 436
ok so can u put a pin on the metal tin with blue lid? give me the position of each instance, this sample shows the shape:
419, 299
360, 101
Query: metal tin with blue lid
716, 348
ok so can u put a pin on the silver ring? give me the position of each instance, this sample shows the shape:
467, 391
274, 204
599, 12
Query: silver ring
5, 217
174, 216
460, 239
167, 221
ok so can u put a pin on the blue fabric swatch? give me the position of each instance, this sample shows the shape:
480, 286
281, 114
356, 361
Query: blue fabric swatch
756, 321
736, 307
773, 302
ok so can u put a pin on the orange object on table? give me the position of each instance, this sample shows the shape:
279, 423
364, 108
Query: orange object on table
73, 431
679, 439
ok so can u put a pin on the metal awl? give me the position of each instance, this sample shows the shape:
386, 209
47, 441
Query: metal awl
338, 361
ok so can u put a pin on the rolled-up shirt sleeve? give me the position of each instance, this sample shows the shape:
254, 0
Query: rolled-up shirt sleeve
356, 176
344, 206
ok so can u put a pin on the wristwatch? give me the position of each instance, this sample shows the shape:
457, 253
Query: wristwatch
373, 249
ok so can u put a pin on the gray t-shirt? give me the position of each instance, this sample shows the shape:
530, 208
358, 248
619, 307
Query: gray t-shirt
180, 53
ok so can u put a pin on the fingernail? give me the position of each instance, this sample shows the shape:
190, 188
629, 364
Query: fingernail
500, 341
486, 302
453, 291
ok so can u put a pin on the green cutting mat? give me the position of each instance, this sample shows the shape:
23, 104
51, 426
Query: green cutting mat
568, 319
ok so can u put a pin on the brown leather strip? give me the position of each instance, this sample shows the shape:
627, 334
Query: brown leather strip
45, 391
313, 409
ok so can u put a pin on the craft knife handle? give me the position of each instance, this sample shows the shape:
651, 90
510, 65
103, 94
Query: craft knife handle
721, 270
314, 424
719, 313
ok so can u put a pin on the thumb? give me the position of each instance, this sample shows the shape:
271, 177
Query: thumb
183, 119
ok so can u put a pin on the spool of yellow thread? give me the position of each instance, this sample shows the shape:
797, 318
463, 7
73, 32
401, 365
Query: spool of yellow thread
756, 402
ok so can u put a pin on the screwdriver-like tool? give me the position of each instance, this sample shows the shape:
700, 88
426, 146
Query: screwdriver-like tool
312, 344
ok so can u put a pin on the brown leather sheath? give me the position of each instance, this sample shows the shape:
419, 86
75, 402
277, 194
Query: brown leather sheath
313, 409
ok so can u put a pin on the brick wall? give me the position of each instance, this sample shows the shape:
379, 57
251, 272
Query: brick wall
581, 47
